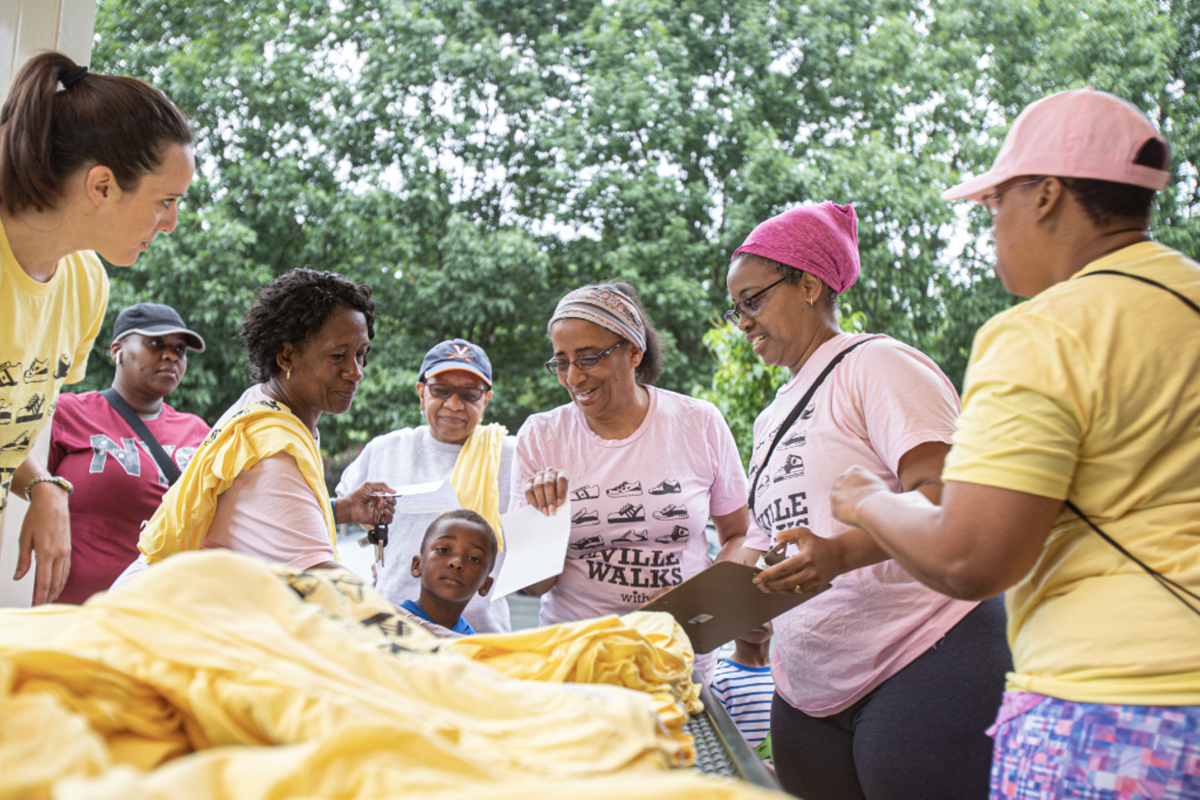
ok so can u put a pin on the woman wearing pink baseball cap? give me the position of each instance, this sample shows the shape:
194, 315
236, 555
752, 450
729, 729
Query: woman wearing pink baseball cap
1074, 482
883, 686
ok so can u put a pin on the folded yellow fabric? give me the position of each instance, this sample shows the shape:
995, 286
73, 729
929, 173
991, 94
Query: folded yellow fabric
477, 472
643, 650
214, 652
256, 432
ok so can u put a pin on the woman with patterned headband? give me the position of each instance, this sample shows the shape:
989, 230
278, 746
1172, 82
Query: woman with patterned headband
648, 467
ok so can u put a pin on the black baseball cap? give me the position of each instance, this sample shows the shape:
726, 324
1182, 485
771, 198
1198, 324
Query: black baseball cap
154, 319
456, 354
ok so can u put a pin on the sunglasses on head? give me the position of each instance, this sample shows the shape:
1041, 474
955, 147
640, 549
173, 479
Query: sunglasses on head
465, 394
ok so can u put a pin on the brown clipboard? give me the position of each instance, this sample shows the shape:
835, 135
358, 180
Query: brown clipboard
722, 603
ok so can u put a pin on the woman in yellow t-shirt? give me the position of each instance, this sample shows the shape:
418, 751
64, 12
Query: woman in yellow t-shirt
1081, 420
87, 163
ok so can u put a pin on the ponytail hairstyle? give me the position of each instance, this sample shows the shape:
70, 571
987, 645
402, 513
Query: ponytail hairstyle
59, 118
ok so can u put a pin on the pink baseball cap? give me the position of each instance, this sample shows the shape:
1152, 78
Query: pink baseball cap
1083, 133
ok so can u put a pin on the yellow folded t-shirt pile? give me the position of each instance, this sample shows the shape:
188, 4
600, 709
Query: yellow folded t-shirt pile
216, 676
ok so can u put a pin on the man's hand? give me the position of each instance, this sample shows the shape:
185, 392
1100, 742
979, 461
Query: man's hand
46, 532
366, 504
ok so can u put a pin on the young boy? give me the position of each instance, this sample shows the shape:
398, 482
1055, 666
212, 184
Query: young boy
456, 559
743, 685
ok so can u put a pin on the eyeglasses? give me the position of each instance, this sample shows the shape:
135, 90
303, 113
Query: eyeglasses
991, 200
444, 392
558, 366
748, 307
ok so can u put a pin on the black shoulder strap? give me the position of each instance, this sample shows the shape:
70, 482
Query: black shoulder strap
1185, 300
794, 415
164, 461
1168, 584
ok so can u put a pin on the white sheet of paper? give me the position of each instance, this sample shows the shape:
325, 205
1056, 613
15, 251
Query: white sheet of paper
535, 547
422, 498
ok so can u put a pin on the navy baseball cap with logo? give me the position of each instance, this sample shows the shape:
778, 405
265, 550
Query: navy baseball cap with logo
154, 319
456, 354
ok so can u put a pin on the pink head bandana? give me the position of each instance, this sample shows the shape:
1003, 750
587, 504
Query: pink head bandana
821, 239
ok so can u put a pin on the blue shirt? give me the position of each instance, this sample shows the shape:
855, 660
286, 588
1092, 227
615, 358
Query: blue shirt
459, 627
746, 693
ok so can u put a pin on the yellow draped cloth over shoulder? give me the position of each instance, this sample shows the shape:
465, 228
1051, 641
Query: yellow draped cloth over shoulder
476, 474
258, 431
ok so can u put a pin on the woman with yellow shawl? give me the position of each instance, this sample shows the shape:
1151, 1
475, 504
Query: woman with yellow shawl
256, 485
454, 386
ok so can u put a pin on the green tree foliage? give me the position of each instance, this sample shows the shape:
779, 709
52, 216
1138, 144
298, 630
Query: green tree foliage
474, 160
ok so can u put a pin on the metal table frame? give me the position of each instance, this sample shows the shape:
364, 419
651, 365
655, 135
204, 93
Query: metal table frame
721, 749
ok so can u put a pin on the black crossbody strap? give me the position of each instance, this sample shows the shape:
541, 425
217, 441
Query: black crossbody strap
164, 461
795, 414
1187, 301
1168, 584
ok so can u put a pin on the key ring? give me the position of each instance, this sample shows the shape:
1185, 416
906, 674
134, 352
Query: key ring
775, 555
379, 534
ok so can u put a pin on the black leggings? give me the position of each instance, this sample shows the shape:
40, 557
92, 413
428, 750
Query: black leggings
919, 734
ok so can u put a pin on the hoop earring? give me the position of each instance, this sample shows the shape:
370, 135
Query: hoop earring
118, 358
289, 373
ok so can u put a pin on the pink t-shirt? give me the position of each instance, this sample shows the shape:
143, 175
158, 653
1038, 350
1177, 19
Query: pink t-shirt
880, 402
639, 505
270, 511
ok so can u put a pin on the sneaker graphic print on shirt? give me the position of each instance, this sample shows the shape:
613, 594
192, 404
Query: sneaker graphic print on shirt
588, 543
9, 371
5, 481
672, 511
18, 444
632, 536
669, 486
64, 367
792, 468
32, 411
585, 517
586, 493
6, 414
677, 534
628, 513
626, 489
38, 372
794, 439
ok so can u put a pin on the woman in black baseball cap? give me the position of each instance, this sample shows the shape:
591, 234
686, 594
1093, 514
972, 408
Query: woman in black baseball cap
101, 442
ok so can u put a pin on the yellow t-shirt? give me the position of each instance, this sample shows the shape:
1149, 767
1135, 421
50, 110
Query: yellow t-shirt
1091, 392
46, 332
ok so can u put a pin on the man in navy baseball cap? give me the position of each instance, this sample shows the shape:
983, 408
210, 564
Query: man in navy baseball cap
454, 385
456, 354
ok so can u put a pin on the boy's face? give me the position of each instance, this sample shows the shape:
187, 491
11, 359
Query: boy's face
455, 562
759, 634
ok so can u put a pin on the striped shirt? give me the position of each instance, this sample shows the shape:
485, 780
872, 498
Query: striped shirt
746, 694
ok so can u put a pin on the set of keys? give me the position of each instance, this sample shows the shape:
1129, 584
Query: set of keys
377, 536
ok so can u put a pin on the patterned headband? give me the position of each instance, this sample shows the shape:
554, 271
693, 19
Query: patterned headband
604, 307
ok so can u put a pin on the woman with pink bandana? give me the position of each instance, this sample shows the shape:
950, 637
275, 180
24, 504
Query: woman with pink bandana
883, 687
